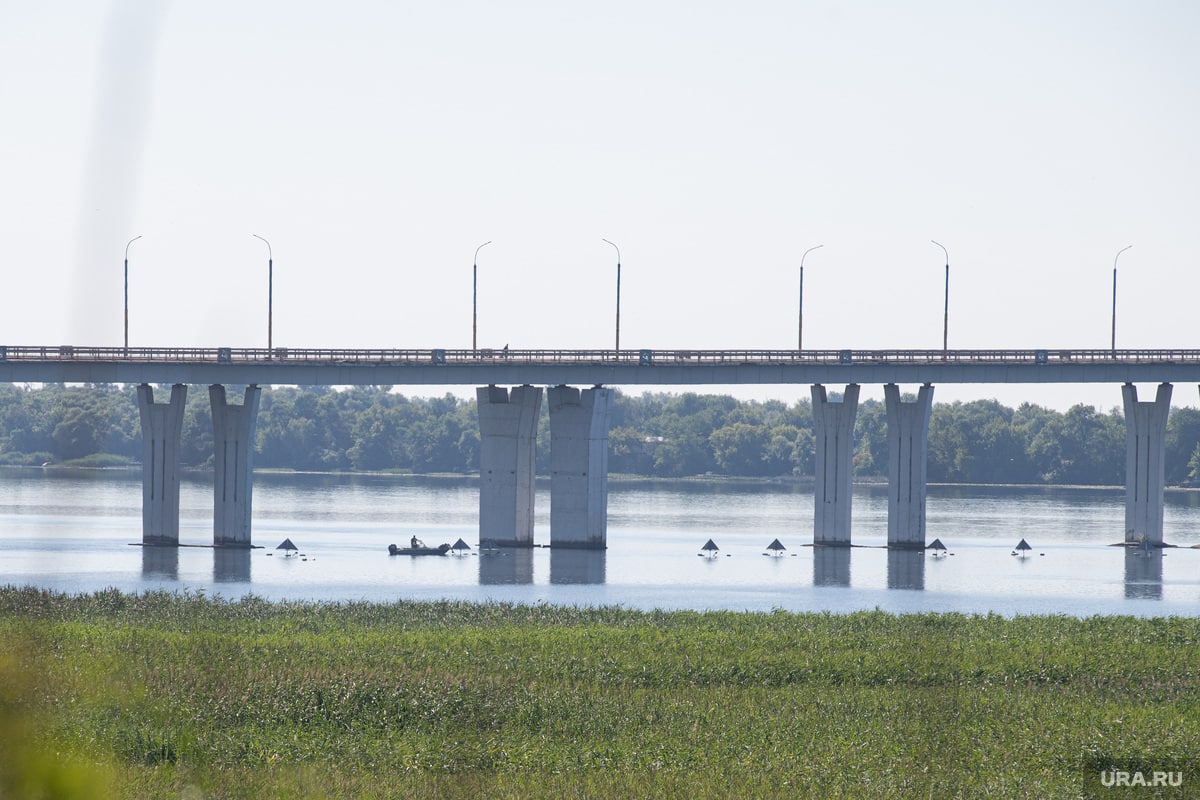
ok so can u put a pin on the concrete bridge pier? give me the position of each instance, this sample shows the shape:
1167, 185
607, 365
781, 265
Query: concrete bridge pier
507, 450
233, 462
834, 432
908, 450
162, 427
579, 467
1145, 466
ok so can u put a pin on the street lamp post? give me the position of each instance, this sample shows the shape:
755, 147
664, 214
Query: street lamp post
618, 343
946, 313
1114, 307
270, 288
800, 333
131, 241
475, 293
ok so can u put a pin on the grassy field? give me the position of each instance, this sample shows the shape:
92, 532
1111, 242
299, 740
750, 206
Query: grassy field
159, 695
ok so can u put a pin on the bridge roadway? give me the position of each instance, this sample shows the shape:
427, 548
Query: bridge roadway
342, 367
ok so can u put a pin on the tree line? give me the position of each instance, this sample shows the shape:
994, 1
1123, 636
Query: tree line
663, 435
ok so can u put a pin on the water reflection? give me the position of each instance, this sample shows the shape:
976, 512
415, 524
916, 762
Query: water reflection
831, 566
231, 564
500, 565
160, 562
906, 569
571, 565
1143, 573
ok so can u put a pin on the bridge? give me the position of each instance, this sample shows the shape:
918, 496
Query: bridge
579, 418
349, 367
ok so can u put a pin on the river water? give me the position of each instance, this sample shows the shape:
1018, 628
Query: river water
79, 531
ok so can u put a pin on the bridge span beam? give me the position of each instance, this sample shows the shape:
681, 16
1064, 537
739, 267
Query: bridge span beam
833, 429
233, 462
908, 450
162, 428
579, 467
507, 450
1145, 462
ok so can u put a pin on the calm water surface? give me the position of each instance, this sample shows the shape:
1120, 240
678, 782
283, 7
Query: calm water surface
72, 531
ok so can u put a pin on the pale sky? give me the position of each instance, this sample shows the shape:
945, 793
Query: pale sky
377, 144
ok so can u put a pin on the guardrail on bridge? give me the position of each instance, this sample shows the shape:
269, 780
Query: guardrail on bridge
644, 357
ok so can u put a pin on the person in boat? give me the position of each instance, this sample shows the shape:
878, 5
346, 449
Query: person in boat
416, 543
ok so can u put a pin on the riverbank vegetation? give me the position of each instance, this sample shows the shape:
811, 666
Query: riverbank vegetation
659, 435
164, 695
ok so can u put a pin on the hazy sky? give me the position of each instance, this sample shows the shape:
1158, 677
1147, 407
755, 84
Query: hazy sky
377, 144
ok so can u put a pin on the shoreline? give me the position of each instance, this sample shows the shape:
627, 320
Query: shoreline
617, 478
517, 610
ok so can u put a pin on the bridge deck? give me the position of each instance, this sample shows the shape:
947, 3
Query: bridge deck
338, 367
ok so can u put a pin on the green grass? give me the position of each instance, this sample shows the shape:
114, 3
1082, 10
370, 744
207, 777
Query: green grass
161, 695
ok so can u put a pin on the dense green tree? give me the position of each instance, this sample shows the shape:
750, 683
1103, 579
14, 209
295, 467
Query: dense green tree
78, 433
431, 444
375, 428
196, 444
1193, 474
373, 435
870, 428
683, 454
788, 451
27, 424
976, 442
741, 449
630, 451
1080, 447
1183, 432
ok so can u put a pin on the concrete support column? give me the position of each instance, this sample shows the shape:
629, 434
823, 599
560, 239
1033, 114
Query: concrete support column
233, 462
507, 449
834, 432
578, 467
162, 426
1145, 466
908, 450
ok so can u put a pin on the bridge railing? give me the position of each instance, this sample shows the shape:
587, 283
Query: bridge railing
643, 357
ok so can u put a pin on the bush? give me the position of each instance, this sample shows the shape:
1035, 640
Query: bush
99, 460
25, 459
